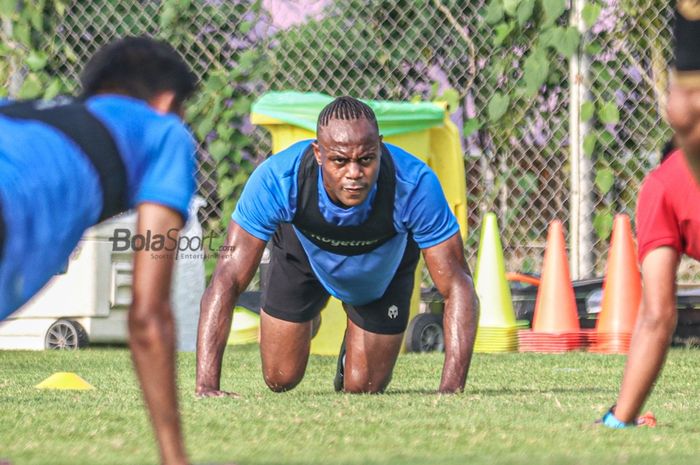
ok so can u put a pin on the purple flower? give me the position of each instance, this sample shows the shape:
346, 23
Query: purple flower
436, 74
237, 43
634, 74
287, 13
538, 130
608, 19
470, 106
620, 97
246, 127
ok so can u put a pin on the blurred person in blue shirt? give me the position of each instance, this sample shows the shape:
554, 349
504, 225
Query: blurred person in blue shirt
68, 164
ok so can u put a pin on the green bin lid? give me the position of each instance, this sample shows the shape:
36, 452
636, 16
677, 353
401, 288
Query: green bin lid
301, 109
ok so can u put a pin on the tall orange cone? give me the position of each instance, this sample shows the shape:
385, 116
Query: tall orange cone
622, 292
555, 326
555, 307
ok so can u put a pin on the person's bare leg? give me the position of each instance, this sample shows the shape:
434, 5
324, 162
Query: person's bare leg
284, 349
369, 359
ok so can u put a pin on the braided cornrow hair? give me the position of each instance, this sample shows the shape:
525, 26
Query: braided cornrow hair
346, 108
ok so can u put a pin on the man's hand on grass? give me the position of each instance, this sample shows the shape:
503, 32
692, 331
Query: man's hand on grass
201, 393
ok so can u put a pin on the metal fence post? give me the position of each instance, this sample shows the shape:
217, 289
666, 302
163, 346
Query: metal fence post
15, 69
581, 205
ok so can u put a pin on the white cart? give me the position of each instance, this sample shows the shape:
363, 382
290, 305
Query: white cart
88, 303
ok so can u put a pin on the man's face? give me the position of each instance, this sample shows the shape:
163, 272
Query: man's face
348, 152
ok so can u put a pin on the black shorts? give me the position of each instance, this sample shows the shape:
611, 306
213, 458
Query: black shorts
292, 292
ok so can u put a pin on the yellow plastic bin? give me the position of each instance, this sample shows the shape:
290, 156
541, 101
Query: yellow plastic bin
245, 327
423, 129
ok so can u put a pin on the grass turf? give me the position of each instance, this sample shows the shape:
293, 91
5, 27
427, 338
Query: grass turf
517, 409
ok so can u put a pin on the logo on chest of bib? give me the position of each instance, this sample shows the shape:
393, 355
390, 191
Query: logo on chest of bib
341, 243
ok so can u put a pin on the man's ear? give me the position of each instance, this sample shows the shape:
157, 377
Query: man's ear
317, 152
163, 102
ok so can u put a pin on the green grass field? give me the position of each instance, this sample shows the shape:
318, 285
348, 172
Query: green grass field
518, 409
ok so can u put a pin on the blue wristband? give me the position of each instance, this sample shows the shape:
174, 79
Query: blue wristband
611, 421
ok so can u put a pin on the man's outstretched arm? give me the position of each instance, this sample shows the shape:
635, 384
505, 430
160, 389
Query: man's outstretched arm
652, 335
238, 260
152, 332
452, 277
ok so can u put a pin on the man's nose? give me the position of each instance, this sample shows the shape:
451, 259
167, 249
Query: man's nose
354, 170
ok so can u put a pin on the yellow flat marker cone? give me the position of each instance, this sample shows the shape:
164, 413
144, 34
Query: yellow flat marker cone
64, 380
490, 279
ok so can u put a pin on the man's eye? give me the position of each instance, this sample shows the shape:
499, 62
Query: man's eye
366, 160
339, 161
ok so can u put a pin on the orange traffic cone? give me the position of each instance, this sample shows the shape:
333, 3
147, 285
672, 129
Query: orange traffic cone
622, 292
555, 326
555, 307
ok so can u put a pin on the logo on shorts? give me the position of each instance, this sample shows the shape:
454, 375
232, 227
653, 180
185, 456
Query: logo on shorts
690, 9
393, 312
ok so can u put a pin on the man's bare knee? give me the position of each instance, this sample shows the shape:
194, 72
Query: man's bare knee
281, 381
359, 384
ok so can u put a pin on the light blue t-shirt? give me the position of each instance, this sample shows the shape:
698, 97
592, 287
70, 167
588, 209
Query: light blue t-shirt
50, 192
420, 209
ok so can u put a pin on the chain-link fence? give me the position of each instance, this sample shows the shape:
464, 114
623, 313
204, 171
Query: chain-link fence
529, 173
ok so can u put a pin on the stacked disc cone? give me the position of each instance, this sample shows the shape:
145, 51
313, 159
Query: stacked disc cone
622, 293
555, 326
497, 330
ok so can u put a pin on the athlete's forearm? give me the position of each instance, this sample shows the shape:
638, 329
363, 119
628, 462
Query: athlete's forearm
214, 327
233, 273
648, 350
460, 322
152, 342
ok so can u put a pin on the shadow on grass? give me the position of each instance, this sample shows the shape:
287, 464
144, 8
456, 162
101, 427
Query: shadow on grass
391, 391
388, 392
502, 391
560, 390
470, 392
